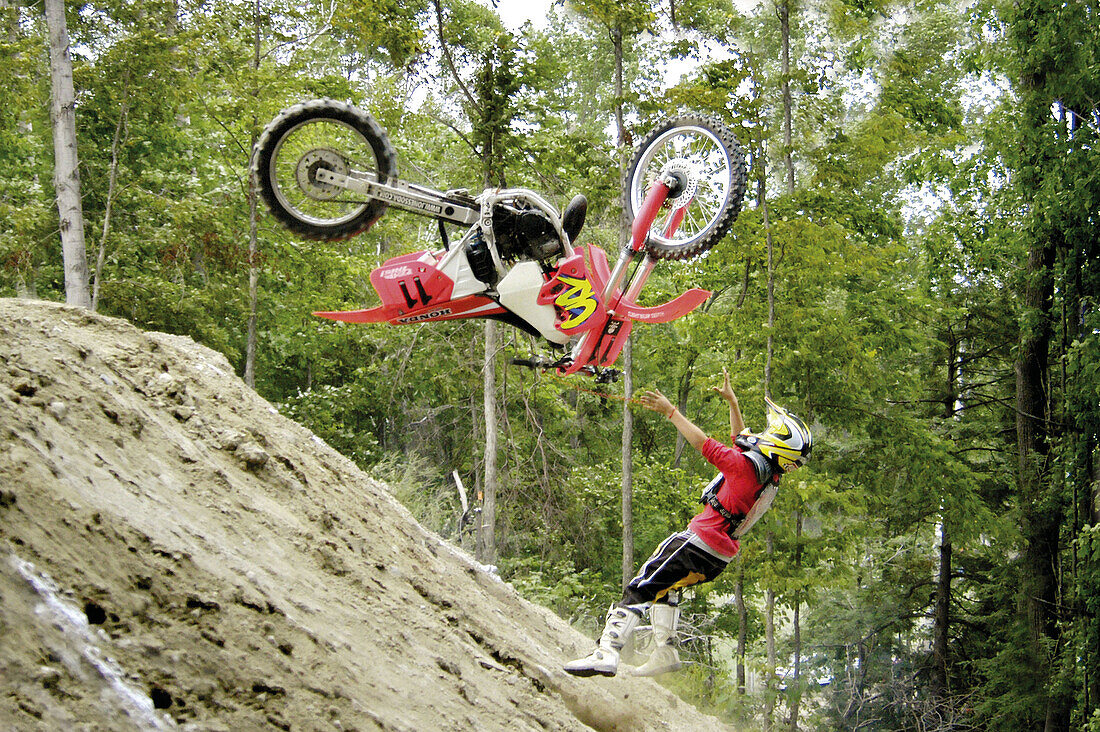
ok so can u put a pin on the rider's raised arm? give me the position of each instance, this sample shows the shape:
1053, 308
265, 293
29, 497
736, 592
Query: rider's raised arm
737, 422
695, 436
658, 402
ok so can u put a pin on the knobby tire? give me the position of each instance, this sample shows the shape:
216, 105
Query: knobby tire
350, 216
723, 155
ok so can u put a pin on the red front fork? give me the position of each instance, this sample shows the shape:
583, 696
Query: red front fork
602, 346
647, 214
674, 220
639, 233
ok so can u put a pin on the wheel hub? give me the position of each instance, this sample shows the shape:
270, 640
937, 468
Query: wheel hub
313, 161
686, 172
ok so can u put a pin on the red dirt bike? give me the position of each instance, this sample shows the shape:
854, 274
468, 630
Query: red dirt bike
326, 171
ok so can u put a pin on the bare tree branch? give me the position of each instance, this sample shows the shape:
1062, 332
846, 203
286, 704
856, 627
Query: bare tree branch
447, 55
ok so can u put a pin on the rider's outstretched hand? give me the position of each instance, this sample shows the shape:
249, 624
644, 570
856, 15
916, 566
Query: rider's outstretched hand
656, 401
659, 403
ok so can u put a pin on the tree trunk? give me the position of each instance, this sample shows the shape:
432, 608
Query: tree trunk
771, 685
112, 186
681, 404
1040, 511
628, 350
796, 641
66, 178
253, 282
487, 543
785, 89
761, 197
795, 694
742, 624
769, 609
1033, 370
617, 46
253, 241
26, 287
1040, 507
941, 614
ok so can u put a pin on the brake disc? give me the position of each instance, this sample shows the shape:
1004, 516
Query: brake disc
320, 159
690, 174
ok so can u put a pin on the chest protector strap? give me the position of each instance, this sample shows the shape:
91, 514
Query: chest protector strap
740, 523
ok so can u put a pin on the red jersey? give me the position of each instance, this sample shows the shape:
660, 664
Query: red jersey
737, 494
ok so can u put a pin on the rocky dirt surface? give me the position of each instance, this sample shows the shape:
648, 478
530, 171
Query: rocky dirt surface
174, 554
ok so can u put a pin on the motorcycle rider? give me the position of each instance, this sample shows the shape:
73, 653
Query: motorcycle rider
735, 499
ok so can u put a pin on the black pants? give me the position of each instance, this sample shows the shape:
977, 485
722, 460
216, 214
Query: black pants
675, 564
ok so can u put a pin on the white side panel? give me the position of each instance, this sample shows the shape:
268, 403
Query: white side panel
518, 292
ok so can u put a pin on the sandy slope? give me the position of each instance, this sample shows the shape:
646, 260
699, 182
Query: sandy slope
174, 553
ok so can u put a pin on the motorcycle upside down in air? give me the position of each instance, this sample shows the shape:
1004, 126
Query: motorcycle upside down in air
326, 170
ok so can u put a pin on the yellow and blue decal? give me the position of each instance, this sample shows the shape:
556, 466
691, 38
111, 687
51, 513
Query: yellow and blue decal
578, 299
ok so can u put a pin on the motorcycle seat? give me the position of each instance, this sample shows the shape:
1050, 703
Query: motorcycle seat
572, 218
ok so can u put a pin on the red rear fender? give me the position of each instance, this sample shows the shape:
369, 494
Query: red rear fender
411, 282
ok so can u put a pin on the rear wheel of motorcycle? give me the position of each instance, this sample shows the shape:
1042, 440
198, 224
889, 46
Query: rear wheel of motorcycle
322, 134
707, 157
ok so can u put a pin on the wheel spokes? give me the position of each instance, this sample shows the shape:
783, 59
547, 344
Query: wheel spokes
712, 178
312, 146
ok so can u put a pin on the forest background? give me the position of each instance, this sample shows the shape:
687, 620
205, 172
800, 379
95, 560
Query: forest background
915, 272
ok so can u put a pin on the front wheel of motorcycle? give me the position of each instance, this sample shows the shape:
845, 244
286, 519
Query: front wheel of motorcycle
706, 157
321, 134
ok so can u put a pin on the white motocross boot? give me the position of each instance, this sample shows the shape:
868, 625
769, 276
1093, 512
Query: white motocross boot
665, 658
604, 661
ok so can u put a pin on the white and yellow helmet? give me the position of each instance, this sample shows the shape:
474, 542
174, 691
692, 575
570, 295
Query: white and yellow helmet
786, 442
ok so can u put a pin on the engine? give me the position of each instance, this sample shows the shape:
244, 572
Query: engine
524, 233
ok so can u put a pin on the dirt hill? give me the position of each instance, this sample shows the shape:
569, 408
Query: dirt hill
176, 554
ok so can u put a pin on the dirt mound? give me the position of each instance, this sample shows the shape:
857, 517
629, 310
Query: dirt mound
176, 554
